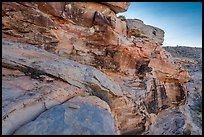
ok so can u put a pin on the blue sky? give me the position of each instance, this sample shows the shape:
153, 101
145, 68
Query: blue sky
181, 21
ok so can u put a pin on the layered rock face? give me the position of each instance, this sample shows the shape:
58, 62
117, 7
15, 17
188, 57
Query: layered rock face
80, 54
137, 27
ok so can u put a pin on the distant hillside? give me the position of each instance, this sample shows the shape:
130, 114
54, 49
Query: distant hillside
194, 53
194, 85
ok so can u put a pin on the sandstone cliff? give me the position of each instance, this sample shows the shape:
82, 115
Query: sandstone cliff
77, 68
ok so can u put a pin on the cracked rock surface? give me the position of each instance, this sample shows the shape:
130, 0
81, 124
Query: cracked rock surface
78, 116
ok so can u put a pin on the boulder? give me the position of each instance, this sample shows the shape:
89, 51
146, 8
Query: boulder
138, 28
78, 116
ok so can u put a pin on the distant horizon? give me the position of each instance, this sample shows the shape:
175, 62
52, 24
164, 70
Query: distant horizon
181, 21
180, 46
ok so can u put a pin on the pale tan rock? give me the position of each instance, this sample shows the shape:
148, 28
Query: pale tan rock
120, 27
24, 101
137, 27
92, 100
118, 6
85, 119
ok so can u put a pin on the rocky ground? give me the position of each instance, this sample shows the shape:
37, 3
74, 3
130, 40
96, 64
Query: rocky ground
76, 68
193, 53
191, 60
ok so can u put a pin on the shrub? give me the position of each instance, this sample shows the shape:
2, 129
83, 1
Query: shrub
122, 18
136, 35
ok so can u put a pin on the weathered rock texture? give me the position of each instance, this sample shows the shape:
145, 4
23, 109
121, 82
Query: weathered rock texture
46, 68
78, 116
137, 27
118, 6
67, 49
